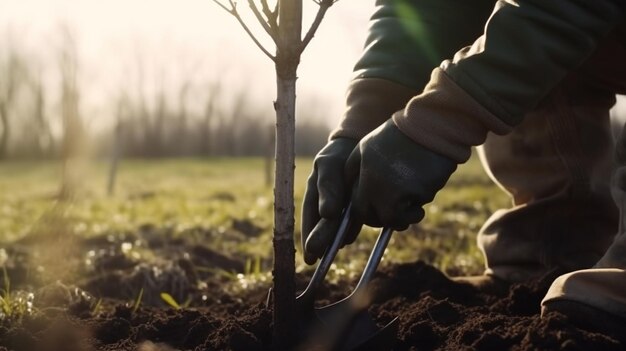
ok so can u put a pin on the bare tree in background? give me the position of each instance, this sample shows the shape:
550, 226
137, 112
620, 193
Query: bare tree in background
284, 26
210, 109
116, 144
43, 132
154, 126
237, 119
41, 110
182, 123
140, 113
11, 74
73, 140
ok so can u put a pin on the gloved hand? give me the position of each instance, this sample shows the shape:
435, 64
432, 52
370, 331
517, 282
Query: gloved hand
391, 177
326, 192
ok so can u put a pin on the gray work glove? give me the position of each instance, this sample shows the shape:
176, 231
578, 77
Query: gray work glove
391, 178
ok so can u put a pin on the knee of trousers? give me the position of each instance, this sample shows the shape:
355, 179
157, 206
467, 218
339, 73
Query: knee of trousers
556, 166
562, 146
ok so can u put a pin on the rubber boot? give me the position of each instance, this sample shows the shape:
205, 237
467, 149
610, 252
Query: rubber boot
556, 167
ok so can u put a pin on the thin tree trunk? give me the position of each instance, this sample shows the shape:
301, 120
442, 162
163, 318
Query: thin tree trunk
115, 157
287, 60
44, 135
209, 125
284, 26
4, 137
284, 252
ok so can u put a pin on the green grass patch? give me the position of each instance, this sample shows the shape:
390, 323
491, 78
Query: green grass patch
191, 195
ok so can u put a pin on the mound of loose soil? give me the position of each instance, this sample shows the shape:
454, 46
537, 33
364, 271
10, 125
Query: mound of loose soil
434, 314
438, 314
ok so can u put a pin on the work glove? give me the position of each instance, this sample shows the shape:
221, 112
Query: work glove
326, 191
391, 178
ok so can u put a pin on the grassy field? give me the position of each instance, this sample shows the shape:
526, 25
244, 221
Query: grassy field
228, 197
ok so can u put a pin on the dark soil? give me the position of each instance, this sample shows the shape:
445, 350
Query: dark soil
434, 312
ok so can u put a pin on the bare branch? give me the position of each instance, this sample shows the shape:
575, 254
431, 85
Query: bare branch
268, 28
254, 39
224, 7
324, 6
233, 11
272, 16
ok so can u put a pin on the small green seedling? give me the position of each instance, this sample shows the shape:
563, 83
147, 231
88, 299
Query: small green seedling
170, 300
138, 301
95, 308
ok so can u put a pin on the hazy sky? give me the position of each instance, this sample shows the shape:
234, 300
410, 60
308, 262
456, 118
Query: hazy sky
184, 38
176, 40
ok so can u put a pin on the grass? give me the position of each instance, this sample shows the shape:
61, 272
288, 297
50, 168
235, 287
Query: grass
170, 301
13, 305
137, 302
184, 195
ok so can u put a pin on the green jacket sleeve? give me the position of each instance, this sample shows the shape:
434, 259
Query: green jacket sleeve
528, 47
408, 38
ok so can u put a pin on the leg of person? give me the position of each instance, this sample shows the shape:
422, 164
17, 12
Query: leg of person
596, 298
555, 166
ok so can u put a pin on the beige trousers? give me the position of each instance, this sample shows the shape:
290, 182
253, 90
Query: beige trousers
556, 166
604, 285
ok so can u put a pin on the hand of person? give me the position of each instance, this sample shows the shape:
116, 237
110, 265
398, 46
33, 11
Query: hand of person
326, 192
391, 178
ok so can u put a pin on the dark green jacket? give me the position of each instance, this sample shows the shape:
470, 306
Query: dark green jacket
518, 54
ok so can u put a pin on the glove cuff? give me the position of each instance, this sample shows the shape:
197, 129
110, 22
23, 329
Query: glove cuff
447, 120
369, 103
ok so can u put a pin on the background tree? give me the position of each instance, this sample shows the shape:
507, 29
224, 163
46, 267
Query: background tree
284, 26
116, 144
49, 104
73, 139
206, 123
41, 130
12, 74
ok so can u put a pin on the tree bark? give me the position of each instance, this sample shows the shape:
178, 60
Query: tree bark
284, 26
288, 52
284, 252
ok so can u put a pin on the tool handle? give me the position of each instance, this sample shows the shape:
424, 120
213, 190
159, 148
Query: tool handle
375, 257
329, 256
